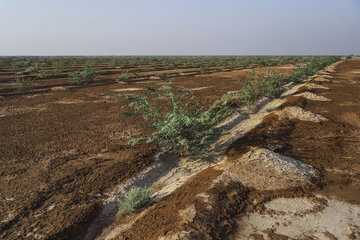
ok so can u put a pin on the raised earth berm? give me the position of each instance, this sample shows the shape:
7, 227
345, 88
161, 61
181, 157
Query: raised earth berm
263, 169
197, 199
299, 113
259, 169
201, 197
315, 86
295, 218
313, 96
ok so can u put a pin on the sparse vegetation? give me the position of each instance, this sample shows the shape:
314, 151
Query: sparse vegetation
125, 76
23, 84
182, 127
147, 68
46, 74
113, 63
134, 199
175, 122
204, 69
256, 87
302, 72
273, 84
33, 69
161, 75
187, 128
84, 77
59, 66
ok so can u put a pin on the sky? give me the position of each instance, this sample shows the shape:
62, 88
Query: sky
182, 27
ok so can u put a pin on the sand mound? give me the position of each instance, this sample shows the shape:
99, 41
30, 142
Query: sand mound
187, 73
13, 110
290, 205
61, 88
321, 79
70, 101
313, 96
199, 88
263, 169
351, 118
127, 89
314, 86
301, 114
300, 218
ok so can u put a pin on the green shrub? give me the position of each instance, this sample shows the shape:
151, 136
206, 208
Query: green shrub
180, 127
270, 109
133, 199
18, 66
59, 66
162, 75
23, 84
298, 76
125, 76
33, 69
184, 127
315, 65
84, 77
273, 84
147, 68
46, 74
204, 69
255, 87
134, 64
113, 63
251, 92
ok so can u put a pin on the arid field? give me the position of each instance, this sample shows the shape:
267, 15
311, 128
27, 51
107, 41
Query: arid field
278, 141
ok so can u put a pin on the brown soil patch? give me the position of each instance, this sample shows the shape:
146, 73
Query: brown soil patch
332, 146
163, 218
58, 164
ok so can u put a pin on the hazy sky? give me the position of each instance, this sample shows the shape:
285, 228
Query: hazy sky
182, 27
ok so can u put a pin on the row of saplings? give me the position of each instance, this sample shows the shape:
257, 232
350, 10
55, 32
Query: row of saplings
83, 77
89, 73
186, 128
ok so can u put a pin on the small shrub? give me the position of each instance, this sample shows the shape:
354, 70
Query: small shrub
273, 84
134, 64
298, 76
46, 74
204, 69
59, 66
133, 199
251, 92
18, 66
270, 109
256, 87
147, 68
125, 76
33, 69
302, 72
23, 84
84, 77
161, 75
113, 63
181, 127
